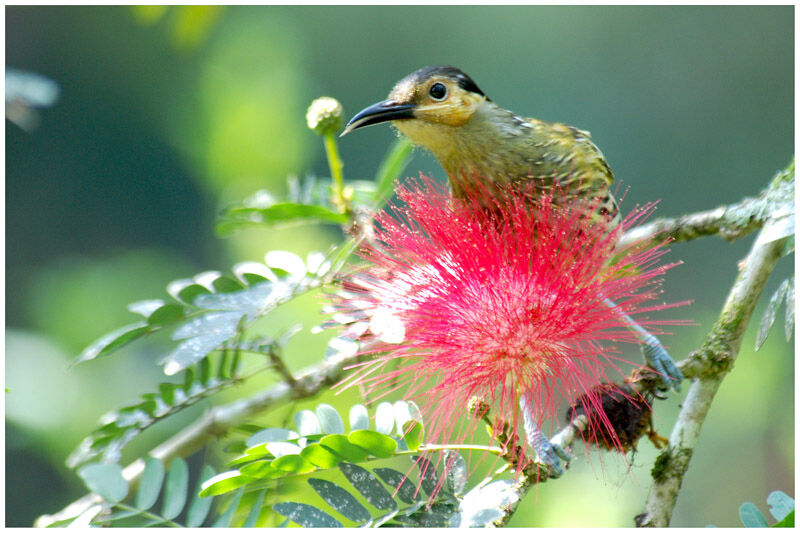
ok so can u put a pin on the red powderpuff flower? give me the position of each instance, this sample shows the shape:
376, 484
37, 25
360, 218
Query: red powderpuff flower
500, 303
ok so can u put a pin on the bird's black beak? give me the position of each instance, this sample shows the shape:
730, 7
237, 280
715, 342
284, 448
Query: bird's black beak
380, 112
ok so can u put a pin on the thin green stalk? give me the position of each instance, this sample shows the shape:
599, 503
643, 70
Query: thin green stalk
335, 164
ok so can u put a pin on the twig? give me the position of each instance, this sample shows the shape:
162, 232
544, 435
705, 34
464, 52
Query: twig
729, 222
716, 358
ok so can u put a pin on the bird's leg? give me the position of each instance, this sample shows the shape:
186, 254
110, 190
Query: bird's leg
654, 353
546, 452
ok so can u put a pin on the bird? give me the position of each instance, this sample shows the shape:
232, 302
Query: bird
443, 109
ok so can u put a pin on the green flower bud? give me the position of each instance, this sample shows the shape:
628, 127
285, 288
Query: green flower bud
324, 115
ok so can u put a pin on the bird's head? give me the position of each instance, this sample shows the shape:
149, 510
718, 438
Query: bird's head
426, 105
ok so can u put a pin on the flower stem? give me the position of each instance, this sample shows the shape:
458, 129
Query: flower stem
335, 164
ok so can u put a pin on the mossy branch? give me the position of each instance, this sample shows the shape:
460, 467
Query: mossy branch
710, 363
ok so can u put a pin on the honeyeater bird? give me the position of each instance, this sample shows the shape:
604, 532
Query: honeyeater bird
442, 109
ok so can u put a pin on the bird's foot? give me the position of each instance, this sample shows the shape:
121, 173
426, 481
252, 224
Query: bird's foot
548, 453
660, 361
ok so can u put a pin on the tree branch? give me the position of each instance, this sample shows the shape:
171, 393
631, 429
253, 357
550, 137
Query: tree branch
729, 222
714, 359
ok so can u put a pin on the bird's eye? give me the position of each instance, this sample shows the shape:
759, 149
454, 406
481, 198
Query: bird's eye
438, 90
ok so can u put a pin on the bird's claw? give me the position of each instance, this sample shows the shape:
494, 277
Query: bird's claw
659, 360
548, 453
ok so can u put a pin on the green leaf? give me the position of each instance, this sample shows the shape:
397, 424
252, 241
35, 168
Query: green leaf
255, 510
150, 483
261, 470
113, 341
293, 463
429, 478
406, 490
341, 500
456, 473
369, 486
227, 284
167, 392
186, 290
384, 418
413, 434
788, 521
279, 449
125, 424
359, 417
145, 307
329, 419
199, 508
224, 482
175, 489
768, 319
393, 164
166, 315
788, 325
751, 516
305, 515
375, 443
227, 516
307, 423
278, 215
483, 504
106, 480
341, 446
780, 504
320, 456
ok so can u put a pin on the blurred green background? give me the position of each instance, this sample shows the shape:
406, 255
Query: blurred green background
167, 115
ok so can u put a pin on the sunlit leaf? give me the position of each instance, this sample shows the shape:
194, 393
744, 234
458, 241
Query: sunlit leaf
280, 260
329, 419
271, 435
224, 482
261, 470
384, 418
375, 443
307, 423
359, 417
344, 448
320, 456
293, 463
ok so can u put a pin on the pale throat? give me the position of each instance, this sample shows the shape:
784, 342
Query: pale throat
468, 151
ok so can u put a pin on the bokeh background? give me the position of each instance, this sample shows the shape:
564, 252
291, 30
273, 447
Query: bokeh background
166, 115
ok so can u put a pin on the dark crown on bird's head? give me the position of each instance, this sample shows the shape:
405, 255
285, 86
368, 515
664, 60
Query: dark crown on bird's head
445, 71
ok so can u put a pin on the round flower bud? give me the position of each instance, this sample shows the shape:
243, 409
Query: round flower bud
324, 115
